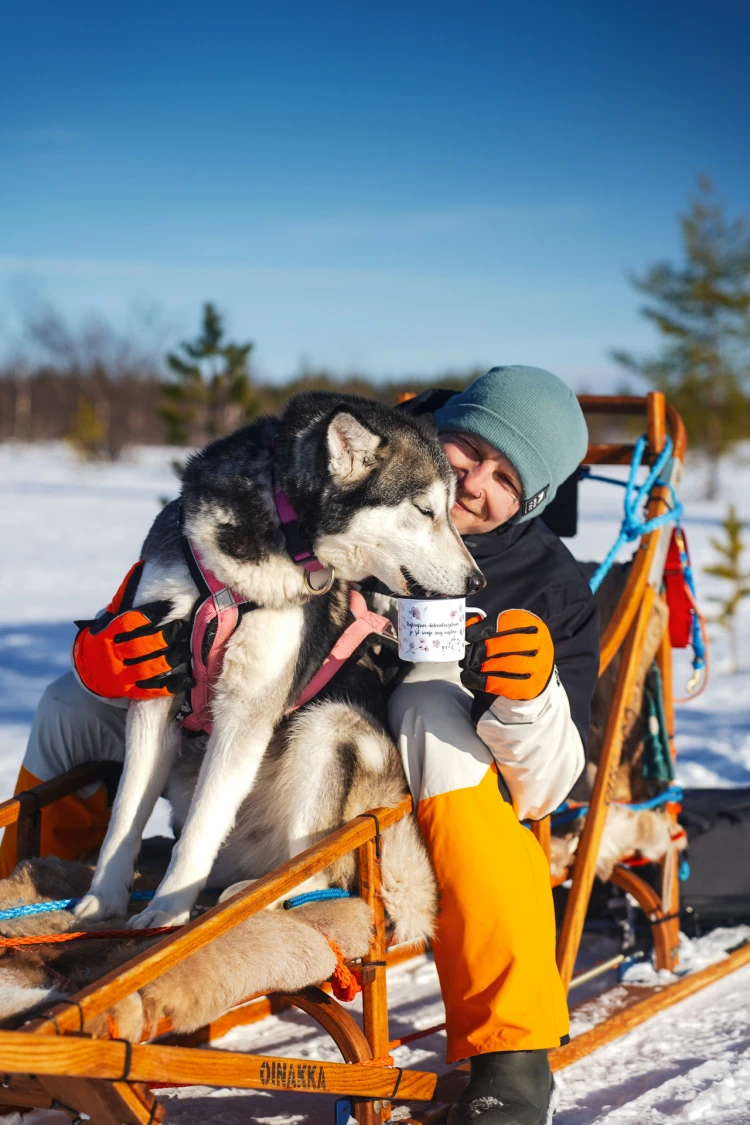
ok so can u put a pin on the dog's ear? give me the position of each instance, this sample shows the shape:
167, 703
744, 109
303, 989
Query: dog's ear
351, 448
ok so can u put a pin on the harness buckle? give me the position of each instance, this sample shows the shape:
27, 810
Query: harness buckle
224, 599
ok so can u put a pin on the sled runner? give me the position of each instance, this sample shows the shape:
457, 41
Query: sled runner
55, 1060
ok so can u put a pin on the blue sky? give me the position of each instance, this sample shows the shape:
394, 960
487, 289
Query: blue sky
395, 188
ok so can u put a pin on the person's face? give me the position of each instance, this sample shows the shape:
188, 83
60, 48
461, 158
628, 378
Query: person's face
488, 488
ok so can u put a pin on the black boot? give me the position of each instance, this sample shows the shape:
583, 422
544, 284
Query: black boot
506, 1088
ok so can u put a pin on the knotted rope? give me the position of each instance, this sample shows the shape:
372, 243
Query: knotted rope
633, 525
344, 984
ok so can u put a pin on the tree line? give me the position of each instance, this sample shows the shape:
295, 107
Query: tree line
103, 391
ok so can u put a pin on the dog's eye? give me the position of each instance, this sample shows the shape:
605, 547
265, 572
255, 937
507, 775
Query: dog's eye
425, 512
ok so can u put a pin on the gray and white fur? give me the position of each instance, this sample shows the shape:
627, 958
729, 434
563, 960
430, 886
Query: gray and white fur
374, 491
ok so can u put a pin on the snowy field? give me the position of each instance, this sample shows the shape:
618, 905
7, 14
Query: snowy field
70, 532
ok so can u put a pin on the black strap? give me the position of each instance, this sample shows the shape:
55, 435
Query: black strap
81, 1017
73, 1114
373, 964
195, 571
398, 1083
664, 918
378, 851
128, 1059
53, 1021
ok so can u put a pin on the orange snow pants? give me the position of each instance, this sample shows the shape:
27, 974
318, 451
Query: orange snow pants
70, 827
495, 941
70, 727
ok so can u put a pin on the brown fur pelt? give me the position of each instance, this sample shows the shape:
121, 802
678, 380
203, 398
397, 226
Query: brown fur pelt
274, 951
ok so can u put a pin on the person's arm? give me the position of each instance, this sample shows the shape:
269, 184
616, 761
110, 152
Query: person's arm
533, 695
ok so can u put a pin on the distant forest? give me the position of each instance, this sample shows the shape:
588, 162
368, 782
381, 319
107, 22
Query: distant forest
103, 391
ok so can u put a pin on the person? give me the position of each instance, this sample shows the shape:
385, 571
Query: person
485, 745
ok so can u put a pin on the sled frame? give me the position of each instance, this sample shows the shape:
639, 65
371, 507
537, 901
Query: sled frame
53, 1058
625, 633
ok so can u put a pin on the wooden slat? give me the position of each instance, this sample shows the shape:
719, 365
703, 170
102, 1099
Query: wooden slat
49, 791
658, 1000
397, 954
374, 993
80, 1057
665, 935
151, 963
29, 826
23, 1090
336, 1020
542, 830
588, 849
105, 1103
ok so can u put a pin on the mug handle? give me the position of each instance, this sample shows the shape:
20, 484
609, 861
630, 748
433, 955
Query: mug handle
470, 618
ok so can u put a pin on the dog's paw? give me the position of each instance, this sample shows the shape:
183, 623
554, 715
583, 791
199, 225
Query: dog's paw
98, 907
153, 919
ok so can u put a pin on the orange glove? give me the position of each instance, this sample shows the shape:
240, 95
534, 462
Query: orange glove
513, 656
127, 653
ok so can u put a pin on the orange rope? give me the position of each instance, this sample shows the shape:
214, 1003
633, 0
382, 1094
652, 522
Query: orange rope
54, 939
387, 1060
344, 984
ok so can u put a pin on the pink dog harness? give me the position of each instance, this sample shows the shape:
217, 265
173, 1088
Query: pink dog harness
219, 604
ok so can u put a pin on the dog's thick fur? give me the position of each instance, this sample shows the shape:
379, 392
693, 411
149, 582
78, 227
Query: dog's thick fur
374, 492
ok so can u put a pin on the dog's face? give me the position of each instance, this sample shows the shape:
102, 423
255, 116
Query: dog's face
385, 508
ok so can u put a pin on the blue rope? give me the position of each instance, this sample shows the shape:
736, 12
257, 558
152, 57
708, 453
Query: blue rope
316, 896
633, 525
565, 813
59, 904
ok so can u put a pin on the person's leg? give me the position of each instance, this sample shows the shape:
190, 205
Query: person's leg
70, 728
495, 941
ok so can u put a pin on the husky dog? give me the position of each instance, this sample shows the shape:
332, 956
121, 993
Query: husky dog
373, 491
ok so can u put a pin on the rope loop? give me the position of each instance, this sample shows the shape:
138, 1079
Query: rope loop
633, 525
344, 984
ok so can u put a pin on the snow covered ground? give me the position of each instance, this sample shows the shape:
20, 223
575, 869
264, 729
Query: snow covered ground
69, 533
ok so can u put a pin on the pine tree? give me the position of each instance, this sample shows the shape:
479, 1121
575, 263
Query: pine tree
211, 391
729, 567
701, 307
88, 433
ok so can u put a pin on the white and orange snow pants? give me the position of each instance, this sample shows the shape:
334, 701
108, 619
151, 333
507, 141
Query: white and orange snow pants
495, 941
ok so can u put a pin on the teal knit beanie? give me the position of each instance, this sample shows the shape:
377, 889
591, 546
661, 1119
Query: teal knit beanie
533, 418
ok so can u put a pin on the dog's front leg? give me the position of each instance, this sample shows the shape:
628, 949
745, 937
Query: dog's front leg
151, 741
231, 762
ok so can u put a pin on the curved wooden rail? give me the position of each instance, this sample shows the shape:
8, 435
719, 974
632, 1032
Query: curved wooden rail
648, 899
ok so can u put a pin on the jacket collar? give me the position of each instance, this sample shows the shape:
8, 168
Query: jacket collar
497, 542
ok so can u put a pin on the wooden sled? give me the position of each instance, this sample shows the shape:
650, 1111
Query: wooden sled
53, 1061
